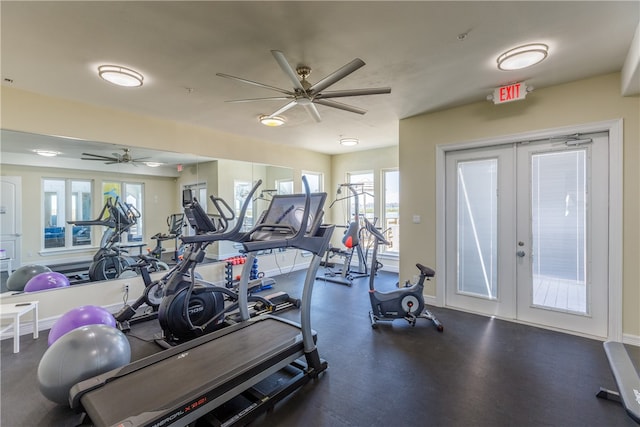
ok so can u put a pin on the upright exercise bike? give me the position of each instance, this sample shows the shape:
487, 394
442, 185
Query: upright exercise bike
402, 303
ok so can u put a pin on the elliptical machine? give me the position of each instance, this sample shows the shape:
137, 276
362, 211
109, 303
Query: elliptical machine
190, 307
402, 303
151, 296
110, 260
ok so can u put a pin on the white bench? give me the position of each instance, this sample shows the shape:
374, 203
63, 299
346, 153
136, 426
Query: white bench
15, 312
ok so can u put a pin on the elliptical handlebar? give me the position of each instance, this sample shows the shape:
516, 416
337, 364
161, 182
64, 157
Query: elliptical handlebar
222, 234
225, 217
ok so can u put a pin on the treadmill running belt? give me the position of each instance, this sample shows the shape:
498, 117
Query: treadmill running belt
210, 369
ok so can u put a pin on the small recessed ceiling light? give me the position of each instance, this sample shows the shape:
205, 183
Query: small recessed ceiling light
271, 121
522, 56
120, 76
349, 142
153, 164
46, 153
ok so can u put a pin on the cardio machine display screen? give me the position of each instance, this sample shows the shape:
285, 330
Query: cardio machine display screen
288, 210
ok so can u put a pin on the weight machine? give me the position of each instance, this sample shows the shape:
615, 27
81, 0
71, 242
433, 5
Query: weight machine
352, 241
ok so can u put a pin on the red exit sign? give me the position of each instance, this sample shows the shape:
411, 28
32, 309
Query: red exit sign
508, 93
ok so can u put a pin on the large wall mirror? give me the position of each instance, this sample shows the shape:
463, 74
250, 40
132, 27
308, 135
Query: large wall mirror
85, 180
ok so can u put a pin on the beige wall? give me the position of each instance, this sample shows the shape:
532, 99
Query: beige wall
586, 101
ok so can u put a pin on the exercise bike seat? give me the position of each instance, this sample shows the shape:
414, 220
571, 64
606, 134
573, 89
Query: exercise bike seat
426, 271
395, 293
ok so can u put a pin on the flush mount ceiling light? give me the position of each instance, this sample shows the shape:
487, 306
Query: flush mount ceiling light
522, 56
46, 153
349, 142
271, 121
153, 164
120, 76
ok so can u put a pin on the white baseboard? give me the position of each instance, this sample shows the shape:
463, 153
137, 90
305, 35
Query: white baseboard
26, 328
431, 300
631, 339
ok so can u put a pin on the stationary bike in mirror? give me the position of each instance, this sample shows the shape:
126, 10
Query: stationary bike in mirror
402, 303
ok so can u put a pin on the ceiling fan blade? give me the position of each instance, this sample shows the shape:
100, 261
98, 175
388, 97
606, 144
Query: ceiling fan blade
353, 92
313, 112
337, 75
271, 98
140, 159
284, 108
251, 82
290, 72
97, 157
341, 106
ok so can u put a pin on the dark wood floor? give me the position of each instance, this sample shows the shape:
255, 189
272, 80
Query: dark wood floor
479, 372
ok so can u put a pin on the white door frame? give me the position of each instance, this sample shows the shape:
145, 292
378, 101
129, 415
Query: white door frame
615, 129
12, 241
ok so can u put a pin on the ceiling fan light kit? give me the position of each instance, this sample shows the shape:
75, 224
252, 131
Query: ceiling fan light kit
271, 121
306, 94
522, 56
120, 76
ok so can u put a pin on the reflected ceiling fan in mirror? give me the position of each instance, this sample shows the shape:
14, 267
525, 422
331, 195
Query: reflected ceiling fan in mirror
116, 158
306, 94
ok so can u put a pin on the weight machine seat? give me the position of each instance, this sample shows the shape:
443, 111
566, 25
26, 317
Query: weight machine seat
201, 375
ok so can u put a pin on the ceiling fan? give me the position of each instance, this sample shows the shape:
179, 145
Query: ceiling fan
117, 158
306, 94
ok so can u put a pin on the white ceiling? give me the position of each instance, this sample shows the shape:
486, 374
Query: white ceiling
54, 48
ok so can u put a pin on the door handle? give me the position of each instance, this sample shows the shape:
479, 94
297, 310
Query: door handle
521, 254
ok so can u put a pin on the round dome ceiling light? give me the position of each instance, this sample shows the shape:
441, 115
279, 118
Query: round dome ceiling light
522, 56
120, 76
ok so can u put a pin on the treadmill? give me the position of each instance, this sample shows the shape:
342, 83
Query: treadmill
190, 381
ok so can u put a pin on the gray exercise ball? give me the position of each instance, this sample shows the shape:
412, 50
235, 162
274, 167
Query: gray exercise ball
20, 277
83, 353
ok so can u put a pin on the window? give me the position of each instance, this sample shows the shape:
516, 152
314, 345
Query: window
66, 200
284, 186
131, 196
315, 181
363, 185
390, 214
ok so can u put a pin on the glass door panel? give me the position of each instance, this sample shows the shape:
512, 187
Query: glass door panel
477, 228
558, 230
479, 268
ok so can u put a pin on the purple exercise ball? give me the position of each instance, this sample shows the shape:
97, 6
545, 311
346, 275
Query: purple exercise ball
80, 316
46, 280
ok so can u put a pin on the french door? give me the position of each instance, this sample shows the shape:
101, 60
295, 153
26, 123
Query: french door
527, 232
